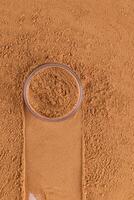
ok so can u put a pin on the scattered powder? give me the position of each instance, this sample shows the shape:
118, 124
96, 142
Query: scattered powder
53, 92
96, 38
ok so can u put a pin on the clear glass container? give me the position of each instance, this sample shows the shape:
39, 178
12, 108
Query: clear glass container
41, 68
53, 150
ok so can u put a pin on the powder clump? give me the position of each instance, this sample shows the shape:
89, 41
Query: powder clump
53, 92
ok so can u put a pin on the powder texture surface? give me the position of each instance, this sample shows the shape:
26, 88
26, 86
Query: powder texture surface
96, 38
53, 92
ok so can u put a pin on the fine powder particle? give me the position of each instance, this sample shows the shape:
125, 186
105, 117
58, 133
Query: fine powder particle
53, 92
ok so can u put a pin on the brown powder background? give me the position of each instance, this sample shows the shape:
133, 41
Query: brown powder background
97, 39
53, 92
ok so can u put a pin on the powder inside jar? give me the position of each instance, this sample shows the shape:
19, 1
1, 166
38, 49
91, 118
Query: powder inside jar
53, 92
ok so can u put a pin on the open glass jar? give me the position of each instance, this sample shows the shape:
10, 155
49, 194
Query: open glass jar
45, 67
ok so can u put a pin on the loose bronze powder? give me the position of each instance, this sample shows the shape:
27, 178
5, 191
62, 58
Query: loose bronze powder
97, 39
53, 92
